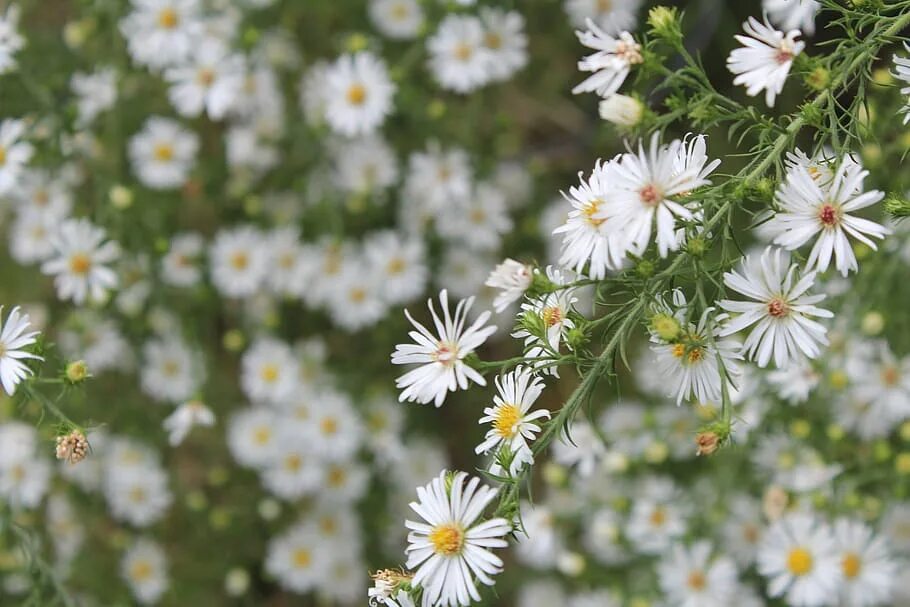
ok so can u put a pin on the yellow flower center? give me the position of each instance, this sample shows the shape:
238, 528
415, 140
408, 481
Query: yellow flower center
463, 52
658, 517
2, 155
141, 571
329, 425
799, 561
447, 540
164, 152
396, 266
80, 263
357, 94
697, 581
262, 435
269, 373
551, 315
337, 476
358, 295
493, 40
170, 368
590, 210
240, 260
604, 5
302, 558
168, 18
506, 419
852, 565
293, 462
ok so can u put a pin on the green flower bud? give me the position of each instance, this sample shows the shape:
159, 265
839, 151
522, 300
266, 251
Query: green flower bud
665, 326
77, 372
664, 22
818, 79
697, 247
121, 197
896, 205
645, 268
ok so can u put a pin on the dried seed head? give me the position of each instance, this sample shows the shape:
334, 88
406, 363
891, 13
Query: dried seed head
72, 447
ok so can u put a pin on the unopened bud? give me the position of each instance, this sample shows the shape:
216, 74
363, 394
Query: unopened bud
665, 326
77, 372
775, 502
896, 205
707, 443
664, 22
121, 197
818, 79
622, 110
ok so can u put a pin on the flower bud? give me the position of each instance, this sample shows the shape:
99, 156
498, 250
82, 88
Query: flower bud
121, 197
664, 22
622, 110
77, 372
818, 79
707, 443
236, 582
898, 206
873, 323
665, 326
774, 502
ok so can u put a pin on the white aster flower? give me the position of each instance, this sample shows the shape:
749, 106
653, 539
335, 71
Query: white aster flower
79, 263
451, 547
868, 568
269, 371
239, 261
459, 59
191, 413
799, 556
163, 153
162, 32
793, 14
647, 189
780, 308
398, 19
553, 310
14, 336
505, 40
11, 42
399, 263
210, 81
14, 154
512, 279
613, 16
512, 423
611, 63
689, 577
902, 73
170, 370
144, 567
657, 519
295, 558
441, 357
809, 209
180, 266
96, 92
365, 165
621, 110
764, 61
586, 240
358, 93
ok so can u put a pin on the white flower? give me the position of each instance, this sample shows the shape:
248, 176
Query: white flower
883, 382
211, 81
611, 63
479, 221
505, 40
358, 94
612, 16
451, 548
647, 186
163, 153
764, 61
586, 238
512, 423
540, 544
399, 19
799, 556
269, 371
14, 336
179, 423
438, 177
252, 436
239, 261
295, 558
180, 265
399, 263
441, 357
97, 92
553, 310
79, 262
365, 165
580, 445
780, 308
11, 42
512, 278
144, 567
14, 154
795, 382
689, 365
793, 14
621, 110
689, 577
162, 32
459, 59
809, 209
868, 569
902, 67
171, 371
657, 519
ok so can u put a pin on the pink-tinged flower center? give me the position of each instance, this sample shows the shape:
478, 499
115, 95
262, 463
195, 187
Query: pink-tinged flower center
630, 53
778, 308
828, 215
891, 376
651, 195
784, 53
446, 353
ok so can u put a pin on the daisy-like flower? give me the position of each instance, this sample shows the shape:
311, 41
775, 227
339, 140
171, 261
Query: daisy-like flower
646, 187
459, 59
11, 42
163, 153
14, 336
586, 240
210, 82
184, 418
97, 92
144, 567
611, 63
902, 73
611, 15
398, 19
505, 40
810, 209
359, 94
689, 577
512, 423
799, 556
79, 263
553, 310
399, 263
512, 278
866, 563
793, 14
763, 62
239, 261
780, 308
689, 365
451, 547
162, 32
441, 357
14, 154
